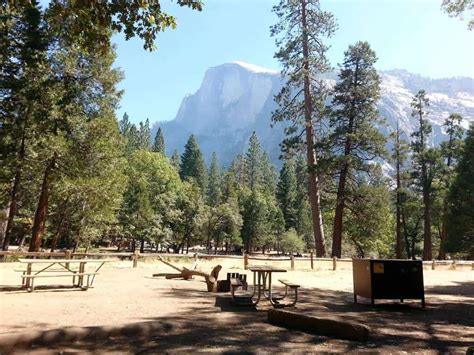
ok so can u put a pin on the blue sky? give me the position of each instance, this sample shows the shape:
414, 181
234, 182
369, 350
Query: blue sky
406, 34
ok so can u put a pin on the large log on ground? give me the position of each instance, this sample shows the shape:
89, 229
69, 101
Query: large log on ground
320, 326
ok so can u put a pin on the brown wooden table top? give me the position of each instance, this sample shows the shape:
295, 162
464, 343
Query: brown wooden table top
265, 268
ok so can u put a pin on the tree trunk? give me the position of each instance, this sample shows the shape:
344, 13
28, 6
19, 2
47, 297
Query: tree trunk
16, 185
444, 232
142, 245
22, 242
55, 238
427, 252
313, 181
405, 234
3, 223
337, 231
399, 241
42, 208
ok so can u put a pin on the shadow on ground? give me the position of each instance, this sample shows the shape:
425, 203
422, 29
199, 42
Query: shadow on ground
215, 324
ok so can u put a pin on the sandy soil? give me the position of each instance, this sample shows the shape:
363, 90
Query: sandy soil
189, 319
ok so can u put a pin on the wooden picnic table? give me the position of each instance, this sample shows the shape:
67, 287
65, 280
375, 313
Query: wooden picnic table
66, 269
262, 282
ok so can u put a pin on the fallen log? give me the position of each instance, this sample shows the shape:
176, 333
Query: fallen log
186, 274
320, 326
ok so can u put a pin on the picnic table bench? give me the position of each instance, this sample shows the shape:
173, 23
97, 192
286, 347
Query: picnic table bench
85, 279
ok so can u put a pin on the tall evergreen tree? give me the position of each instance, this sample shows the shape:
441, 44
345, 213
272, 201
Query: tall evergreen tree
424, 164
399, 156
89, 93
450, 150
144, 135
25, 93
300, 32
460, 219
214, 194
192, 164
287, 193
130, 134
268, 174
253, 163
159, 144
175, 160
355, 139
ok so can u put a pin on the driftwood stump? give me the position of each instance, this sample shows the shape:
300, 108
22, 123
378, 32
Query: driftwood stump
186, 274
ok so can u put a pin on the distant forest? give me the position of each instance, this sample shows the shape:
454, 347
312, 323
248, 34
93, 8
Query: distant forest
72, 175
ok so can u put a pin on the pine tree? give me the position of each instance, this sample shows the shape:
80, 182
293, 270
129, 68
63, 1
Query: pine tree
144, 135
399, 156
25, 93
424, 164
214, 194
460, 218
130, 134
287, 193
301, 32
355, 139
77, 102
450, 150
175, 160
192, 164
268, 174
159, 144
253, 163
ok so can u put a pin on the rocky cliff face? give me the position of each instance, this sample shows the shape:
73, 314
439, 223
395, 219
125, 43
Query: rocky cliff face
237, 98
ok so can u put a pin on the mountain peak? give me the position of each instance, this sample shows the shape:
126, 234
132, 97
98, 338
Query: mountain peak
254, 68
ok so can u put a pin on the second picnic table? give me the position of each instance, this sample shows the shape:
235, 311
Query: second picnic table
262, 285
65, 270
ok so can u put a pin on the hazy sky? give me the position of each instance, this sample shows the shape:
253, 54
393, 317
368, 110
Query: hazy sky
406, 34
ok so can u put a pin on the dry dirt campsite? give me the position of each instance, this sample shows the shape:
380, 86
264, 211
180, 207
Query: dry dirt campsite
129, 311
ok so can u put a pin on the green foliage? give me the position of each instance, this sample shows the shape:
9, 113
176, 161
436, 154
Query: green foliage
214, 187
287, 193
369, 223
149, 209
291, 243
354, 140
460, 219
192, 164
175, 160
222, 226
89, 24
159, 144
302, 58
456, 8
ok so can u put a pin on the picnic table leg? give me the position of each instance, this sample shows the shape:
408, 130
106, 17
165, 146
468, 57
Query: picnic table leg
270, 287
254, 284
259, 295
82, 267
28, 273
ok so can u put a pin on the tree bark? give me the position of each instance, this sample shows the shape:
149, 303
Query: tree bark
42, 208
16, 185
399, 241
337, 231
427, 252
3, 223
405, 233
313, 181
444, 231
427, 249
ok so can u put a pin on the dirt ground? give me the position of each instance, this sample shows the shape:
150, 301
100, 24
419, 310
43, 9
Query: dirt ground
186, 318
